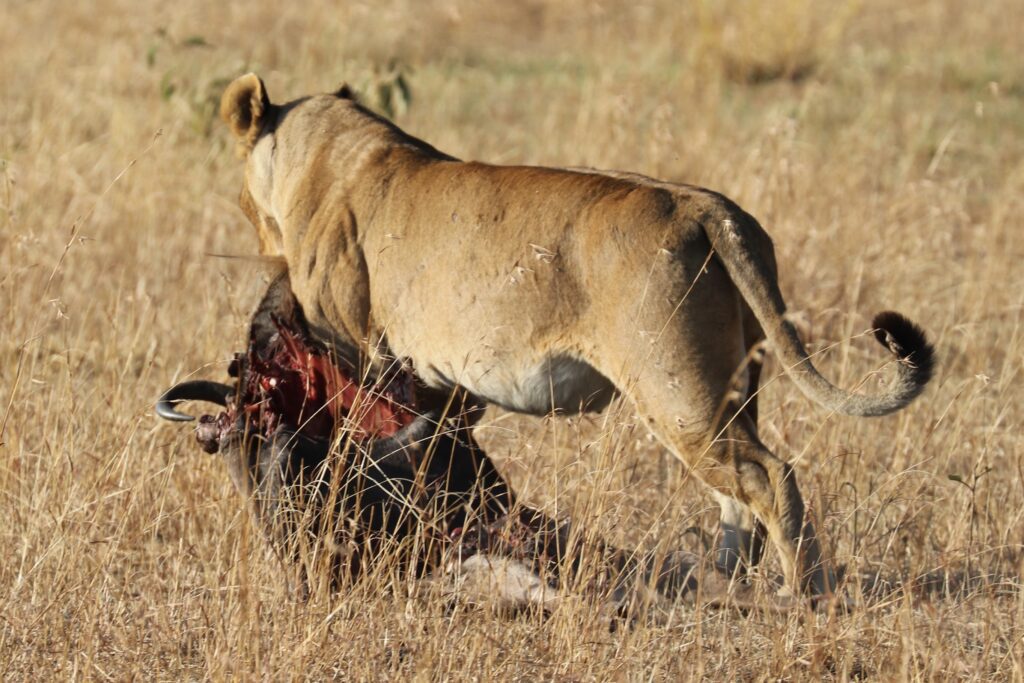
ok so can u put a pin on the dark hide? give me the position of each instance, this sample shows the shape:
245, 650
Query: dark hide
338, 475
318, 456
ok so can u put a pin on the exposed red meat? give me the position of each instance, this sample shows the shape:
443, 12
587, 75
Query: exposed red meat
296, 384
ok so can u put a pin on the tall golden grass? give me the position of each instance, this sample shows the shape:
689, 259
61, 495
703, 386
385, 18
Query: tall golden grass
880, 142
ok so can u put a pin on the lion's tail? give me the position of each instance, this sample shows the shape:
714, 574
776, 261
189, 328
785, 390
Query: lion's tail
738, 245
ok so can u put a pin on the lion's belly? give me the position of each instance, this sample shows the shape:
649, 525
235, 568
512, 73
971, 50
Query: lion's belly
555, 383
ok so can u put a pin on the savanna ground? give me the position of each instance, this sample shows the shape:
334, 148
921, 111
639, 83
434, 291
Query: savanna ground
880, 142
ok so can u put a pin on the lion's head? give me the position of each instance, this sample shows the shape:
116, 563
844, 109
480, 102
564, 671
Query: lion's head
247, 110
256, 123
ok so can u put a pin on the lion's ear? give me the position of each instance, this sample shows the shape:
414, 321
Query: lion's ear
345, 92
245, 107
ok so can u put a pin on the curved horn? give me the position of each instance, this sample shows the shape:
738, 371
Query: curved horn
194, 390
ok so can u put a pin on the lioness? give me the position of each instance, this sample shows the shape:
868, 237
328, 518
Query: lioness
541, 289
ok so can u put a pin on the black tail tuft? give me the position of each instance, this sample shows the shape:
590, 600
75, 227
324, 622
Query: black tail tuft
908, 342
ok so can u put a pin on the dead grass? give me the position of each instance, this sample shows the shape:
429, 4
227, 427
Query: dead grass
881, 143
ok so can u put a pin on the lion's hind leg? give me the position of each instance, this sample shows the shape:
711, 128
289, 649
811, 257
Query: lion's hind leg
683, 363
743, 473
741, 467
742, 536
746, 476
768, 486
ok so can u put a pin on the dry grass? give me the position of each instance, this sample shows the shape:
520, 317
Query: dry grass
880, 142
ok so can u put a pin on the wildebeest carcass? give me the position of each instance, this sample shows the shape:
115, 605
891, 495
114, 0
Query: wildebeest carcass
338, 475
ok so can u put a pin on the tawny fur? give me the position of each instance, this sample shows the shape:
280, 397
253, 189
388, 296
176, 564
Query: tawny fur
540, 288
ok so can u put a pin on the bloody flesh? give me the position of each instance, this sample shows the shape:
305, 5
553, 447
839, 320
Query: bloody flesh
294, 383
